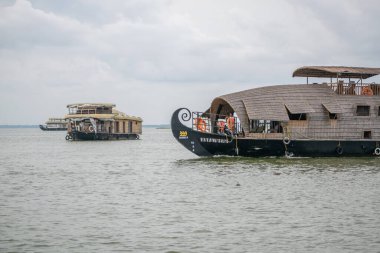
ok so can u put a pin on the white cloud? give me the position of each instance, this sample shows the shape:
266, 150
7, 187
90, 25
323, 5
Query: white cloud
144, 54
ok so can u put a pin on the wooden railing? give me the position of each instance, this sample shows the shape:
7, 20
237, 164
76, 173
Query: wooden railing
352, 88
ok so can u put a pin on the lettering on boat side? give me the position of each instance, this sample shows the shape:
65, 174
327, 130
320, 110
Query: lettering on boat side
183, 135
213, 140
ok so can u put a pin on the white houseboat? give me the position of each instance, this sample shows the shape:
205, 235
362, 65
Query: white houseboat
55, 124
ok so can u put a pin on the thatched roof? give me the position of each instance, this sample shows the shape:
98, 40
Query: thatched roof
336, 71
122, 115
113, 116
272, 102
87, 116
90, 105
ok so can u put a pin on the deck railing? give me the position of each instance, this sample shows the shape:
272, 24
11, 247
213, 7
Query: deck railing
89, 111
353, 88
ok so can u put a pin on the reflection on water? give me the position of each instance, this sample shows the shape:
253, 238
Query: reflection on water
153, 195
289, 164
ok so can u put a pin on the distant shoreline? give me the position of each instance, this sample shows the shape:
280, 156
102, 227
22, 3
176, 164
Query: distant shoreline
157, 126
19, 126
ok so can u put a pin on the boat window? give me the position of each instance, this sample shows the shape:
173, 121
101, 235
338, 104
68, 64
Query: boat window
297, 116
257, 126
130, 127
333, 116
265, 126
378, 111
362, 110
104, 110
117, 126
367, 134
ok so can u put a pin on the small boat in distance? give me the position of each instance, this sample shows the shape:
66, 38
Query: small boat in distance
101, 121
54, 124
331, 118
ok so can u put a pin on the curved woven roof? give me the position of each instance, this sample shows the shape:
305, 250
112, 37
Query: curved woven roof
336, 71
272, 102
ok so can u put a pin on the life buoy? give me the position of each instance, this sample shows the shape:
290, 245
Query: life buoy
91, 129
201, 124
68, 137
367, 91
137, 137
377, 151
339, 150
286, 140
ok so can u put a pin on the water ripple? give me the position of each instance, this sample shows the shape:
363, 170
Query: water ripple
154, 196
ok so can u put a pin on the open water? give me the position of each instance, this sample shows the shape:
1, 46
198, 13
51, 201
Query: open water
152, 195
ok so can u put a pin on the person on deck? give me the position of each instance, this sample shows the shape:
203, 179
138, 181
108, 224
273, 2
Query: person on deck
221, 125
231, 123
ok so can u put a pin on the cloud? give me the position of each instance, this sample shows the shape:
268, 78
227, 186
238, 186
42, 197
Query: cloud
144, 53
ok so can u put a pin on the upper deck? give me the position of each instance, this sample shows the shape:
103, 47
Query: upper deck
104, 111
56, 121
344, 80
90, 108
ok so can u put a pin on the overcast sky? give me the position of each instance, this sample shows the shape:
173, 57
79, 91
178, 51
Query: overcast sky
150, 57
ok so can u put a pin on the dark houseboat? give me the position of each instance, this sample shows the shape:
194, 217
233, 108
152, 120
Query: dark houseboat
54, 124
340, 117
101, 121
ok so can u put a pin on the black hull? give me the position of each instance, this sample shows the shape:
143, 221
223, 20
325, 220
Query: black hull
100, 136
44, 128
209, 144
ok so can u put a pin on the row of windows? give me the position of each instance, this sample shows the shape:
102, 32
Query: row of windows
99, 110
268, 126
361, 110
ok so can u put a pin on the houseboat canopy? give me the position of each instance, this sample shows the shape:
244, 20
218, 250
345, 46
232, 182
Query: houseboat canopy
259, 104
122, 115
90, 105
336, 71
103, 111
114, 116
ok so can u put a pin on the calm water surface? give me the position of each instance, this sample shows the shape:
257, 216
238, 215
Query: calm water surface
153, 195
